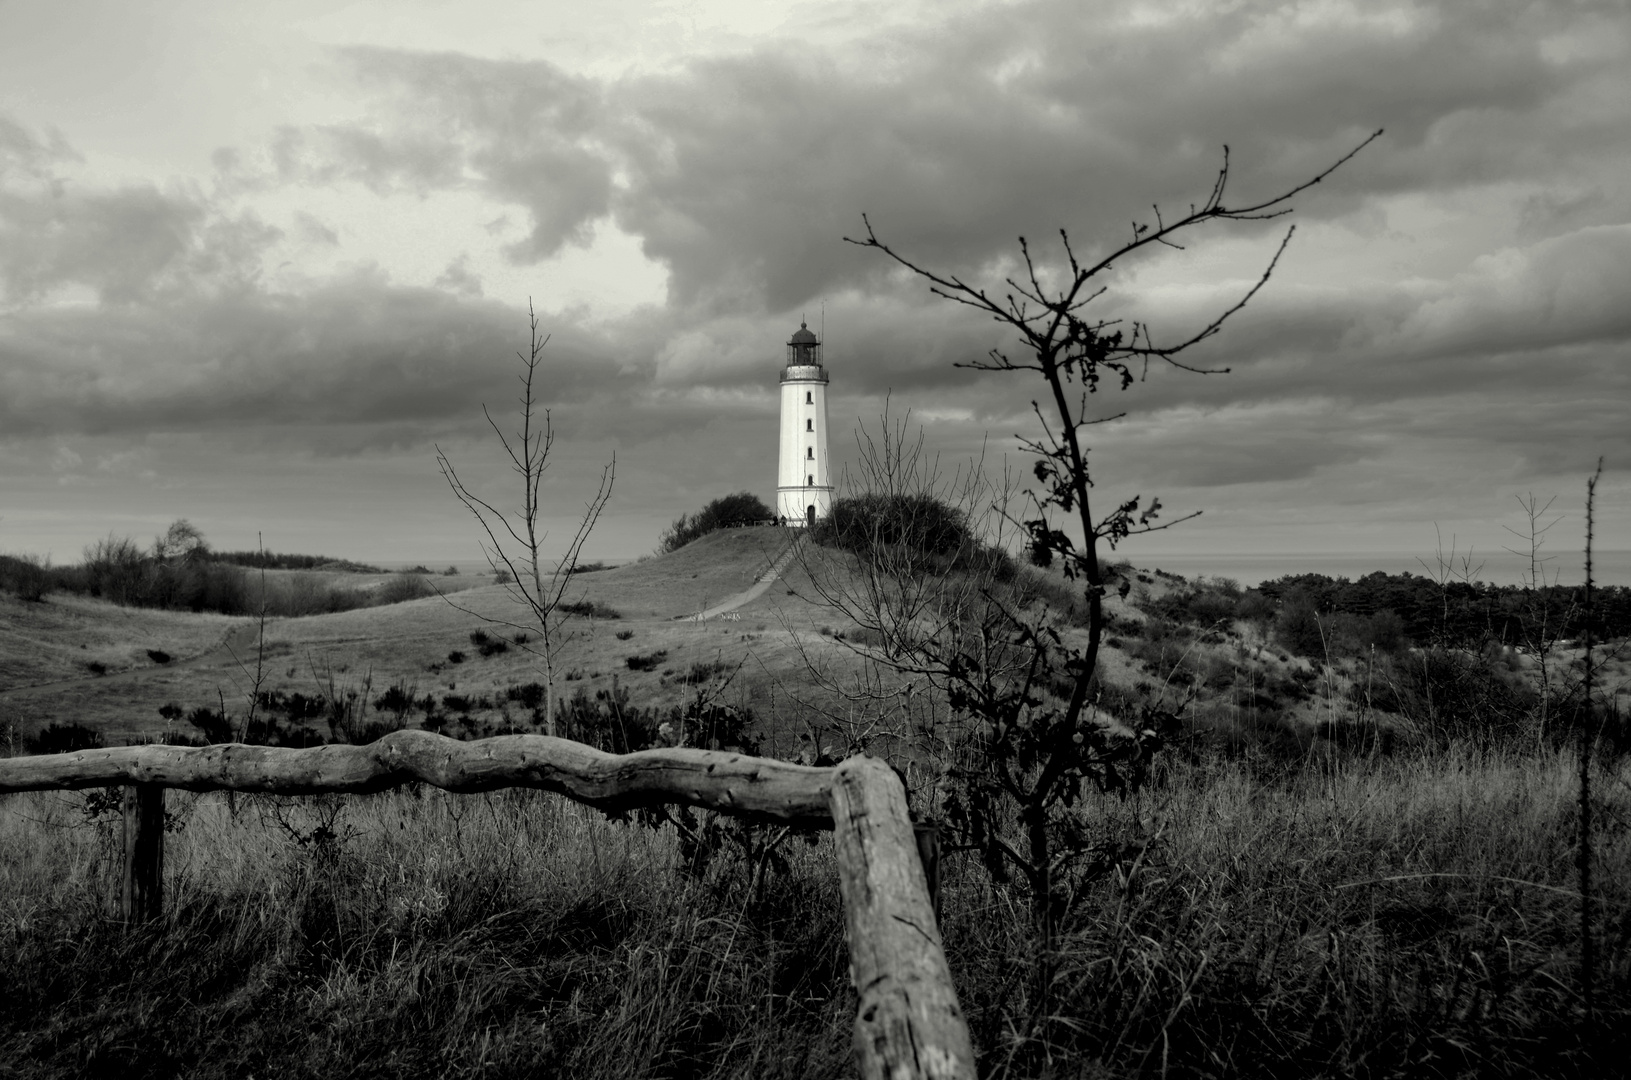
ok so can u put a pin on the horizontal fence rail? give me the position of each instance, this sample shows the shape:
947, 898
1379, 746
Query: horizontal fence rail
908, 1024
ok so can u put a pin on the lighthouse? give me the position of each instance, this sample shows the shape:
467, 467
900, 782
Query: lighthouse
803, 484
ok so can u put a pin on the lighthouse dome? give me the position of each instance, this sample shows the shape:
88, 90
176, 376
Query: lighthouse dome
803, 336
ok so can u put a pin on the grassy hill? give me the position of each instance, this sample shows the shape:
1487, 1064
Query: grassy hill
797, 662
47, 677
1281, 902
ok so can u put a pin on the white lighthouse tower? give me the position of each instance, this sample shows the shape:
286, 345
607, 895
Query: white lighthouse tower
803, 484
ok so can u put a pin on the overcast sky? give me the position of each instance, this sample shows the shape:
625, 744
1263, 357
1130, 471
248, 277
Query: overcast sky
256, 260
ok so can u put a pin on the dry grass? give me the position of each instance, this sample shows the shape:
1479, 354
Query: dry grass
55, 640
1404, 917
1254, 914
434, 935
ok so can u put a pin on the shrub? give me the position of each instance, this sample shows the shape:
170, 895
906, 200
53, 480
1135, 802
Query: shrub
451, 571
740, 509
96, 667
486, 644
591, 568
1200, 604
624, 635
590, 608
159, 656
62, 739
409, 585
704, 671
455, 657
213, 725
27, 576
1298, 626
398, 698
1253, 606
648, 662
527, 695
860, 523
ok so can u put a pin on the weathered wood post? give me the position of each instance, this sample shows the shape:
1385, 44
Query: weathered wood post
908, 1025
142, 897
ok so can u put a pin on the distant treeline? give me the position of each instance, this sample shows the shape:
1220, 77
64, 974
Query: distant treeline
273, 560
1458, 612
120, 571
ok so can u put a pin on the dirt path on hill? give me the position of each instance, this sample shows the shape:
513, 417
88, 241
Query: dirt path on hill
237, 644
731, 603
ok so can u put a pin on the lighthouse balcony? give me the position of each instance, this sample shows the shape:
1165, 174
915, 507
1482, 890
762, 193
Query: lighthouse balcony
804, 373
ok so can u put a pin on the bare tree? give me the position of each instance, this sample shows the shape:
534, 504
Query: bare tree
513, 542
1026, 686
182, 541
1545, 615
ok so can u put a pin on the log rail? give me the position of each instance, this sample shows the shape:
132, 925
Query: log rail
908, 1024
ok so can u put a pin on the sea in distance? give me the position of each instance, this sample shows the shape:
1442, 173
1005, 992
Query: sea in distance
1497, 568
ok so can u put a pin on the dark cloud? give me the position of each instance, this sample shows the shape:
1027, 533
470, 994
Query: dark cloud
742, 174
124, 243
1505, 351
360, 359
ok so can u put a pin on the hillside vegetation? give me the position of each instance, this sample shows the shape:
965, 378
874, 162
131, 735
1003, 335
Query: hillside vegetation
1352, 860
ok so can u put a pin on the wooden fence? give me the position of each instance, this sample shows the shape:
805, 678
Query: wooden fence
908, 1023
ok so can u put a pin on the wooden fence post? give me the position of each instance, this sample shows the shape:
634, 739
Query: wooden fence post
908, 1025
142, 897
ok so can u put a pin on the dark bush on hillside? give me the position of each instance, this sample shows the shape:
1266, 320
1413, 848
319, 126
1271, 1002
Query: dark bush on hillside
1200, 604
705, 671
647, 662
861, 523
28, 577
1356, 635
295, 706
590, 608
62, 739
303, 594
213, 725
1457, 694
1253, 606
409, 585
743, 508
527, 695
606, 720
591, 568
1299, 628
159, 656
398, 699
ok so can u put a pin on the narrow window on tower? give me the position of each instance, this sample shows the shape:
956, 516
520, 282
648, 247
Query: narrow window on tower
807, 399
809, 425
809, 453
809, 481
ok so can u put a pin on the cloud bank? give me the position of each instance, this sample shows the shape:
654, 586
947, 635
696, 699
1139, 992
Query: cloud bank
1454, 295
